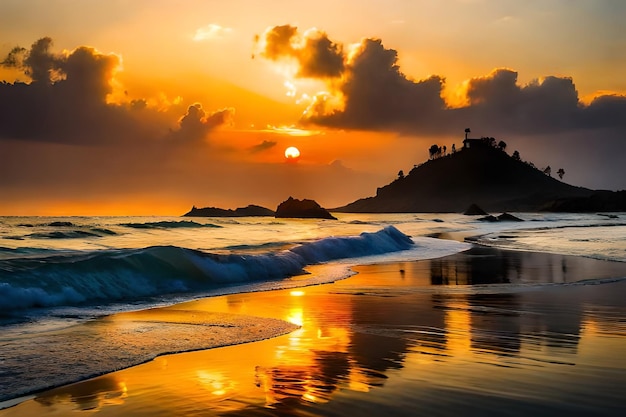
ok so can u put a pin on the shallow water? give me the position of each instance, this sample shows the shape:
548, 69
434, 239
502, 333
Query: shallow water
397, 339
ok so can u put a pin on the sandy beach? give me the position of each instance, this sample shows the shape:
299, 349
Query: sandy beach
425, 337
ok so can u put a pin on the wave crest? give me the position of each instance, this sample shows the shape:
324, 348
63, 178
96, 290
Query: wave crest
108, 276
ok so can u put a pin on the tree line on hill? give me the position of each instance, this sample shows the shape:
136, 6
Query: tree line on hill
436, 151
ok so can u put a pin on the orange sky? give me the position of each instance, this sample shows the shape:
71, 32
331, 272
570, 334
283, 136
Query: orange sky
150, 107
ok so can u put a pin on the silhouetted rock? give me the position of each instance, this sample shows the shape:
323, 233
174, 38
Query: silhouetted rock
506, 217
61, 224
248, 211
474, 210
481, 175
302, 209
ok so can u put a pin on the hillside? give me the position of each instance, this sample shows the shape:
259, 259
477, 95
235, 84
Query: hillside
482, 175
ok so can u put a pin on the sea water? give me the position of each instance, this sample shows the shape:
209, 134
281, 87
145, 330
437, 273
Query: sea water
59, 273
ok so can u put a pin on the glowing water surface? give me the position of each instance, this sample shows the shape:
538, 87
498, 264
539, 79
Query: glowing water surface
483, 332
524, 336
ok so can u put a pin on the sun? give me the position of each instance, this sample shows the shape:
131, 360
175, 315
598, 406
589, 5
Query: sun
292, 153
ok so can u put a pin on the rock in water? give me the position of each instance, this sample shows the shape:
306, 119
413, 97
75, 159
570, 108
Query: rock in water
248, 211
302, 209
506, 217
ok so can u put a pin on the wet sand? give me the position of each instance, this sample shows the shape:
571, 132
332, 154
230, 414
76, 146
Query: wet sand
484, 332
119, 341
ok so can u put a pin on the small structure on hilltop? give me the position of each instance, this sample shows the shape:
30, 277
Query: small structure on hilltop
473, 143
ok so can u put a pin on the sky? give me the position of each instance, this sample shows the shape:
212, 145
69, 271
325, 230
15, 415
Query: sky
149, 107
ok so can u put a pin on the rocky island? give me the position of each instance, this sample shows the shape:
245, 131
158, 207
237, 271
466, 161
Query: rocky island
302, 209
248, 211
482, 174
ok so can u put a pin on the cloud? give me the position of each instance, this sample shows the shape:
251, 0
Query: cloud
37, 63
541, 106
368, 91
67, 101
378, 96
211, 32
291, 131
196, 123
263, 146
317, 56
608, 110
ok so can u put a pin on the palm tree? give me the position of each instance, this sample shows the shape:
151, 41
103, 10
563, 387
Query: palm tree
433, 151
548, 171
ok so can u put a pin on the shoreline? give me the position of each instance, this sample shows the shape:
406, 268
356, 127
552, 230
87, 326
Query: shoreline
136, 337
396, 280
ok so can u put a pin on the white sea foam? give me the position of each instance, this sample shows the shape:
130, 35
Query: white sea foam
109, 276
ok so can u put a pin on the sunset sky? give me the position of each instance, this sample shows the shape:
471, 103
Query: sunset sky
149, 107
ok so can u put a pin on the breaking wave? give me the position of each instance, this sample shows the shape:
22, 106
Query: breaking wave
126, 274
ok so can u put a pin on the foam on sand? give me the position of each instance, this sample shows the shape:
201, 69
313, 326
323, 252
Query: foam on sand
120, 341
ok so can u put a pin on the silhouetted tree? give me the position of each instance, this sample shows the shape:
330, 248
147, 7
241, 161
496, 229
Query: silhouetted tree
548, 171
433, 151
444, 150
491, 142
453, 148
516, 156
502, 145
400, 174
561, 172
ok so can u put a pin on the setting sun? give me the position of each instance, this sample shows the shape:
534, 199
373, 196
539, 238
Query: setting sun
292, 153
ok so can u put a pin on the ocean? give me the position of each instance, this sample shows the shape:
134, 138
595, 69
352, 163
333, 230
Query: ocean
59, 275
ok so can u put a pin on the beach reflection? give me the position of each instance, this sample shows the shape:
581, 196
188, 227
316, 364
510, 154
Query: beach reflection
397, 336
87, 396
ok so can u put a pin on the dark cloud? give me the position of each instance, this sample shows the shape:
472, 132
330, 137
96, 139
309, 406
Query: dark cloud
88, 74
196, 124
550, 105
66, 101
278, 42
606, 111
370, 92
263, 146
316, 54
378, 96
38, 62
543, 106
